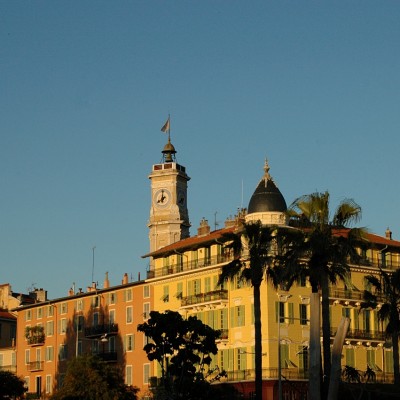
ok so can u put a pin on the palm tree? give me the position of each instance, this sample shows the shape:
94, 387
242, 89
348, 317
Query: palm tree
386, 292
320, 251
252, 263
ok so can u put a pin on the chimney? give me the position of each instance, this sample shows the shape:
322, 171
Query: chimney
125, 279
388, 234
106, 283
71, 292
204, 228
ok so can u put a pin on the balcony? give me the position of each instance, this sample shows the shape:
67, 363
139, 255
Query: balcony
189, 266
36, 340
96, 331
11, 368
348, 297
108, 356
267, 374
204, 300
35, 366
362, 335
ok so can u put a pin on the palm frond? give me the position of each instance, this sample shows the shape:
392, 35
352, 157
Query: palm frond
348, 212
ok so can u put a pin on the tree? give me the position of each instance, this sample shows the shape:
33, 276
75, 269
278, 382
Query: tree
386, 293
89, 378
184, 349
319, 250
11, 385
252, 263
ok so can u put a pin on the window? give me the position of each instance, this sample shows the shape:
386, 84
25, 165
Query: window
27, 356
49, 353
128, 375
129, 342
146, 310
128, 294
291, 313
367, 320
64, 308
237, 316
63, 326
350, 359
79, 305
241, 359
49, 328
179, 290
80, 348
285, 363
129, 315
146, 373
388, 367
146, 291
111, 316
346, 312
371, 358
48, 384
62, 354
81, 322
165, 297
111, 298
50, 310
38, 354
303, 358
207, 285
96, 301
196, 286
280, 312
28, 315
96, 319
303, 314
40, 312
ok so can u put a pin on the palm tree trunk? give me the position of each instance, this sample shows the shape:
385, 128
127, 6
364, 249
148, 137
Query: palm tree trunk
326, 333
314, 386
396, 369
258, 342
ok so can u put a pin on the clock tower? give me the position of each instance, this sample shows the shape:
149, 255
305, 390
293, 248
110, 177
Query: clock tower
169, 217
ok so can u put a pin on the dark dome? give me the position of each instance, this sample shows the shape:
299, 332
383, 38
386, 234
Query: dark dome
266, 197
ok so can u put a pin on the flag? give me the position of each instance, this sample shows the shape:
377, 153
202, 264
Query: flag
165, 127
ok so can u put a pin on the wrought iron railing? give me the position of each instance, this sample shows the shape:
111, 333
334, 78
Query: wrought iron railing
188, 265
204, 297
99, 330
35, 366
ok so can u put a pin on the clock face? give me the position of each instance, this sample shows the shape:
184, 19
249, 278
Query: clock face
181, 198
162, 198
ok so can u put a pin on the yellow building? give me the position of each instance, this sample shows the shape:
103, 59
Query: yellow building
184, 276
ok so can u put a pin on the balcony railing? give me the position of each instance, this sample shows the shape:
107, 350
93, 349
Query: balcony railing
35, 366
189, 265
361, 334
209, 297
353, 295
109, 356
11, 368
267, 373
36, 340
99, 330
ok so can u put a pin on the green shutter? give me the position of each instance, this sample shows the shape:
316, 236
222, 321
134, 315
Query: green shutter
291, 313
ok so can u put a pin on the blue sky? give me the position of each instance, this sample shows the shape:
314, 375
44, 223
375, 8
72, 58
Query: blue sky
86, 86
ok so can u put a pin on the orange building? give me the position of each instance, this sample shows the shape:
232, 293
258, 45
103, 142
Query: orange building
99, 321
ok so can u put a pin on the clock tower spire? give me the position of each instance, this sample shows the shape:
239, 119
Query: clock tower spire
169, 217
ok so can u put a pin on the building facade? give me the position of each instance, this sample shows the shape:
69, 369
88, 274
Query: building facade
101, 322
183, 276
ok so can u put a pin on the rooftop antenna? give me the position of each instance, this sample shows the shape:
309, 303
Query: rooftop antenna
215, 221
241, 202
93, 248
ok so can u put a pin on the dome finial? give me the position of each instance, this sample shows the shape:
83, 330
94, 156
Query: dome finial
266, 170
